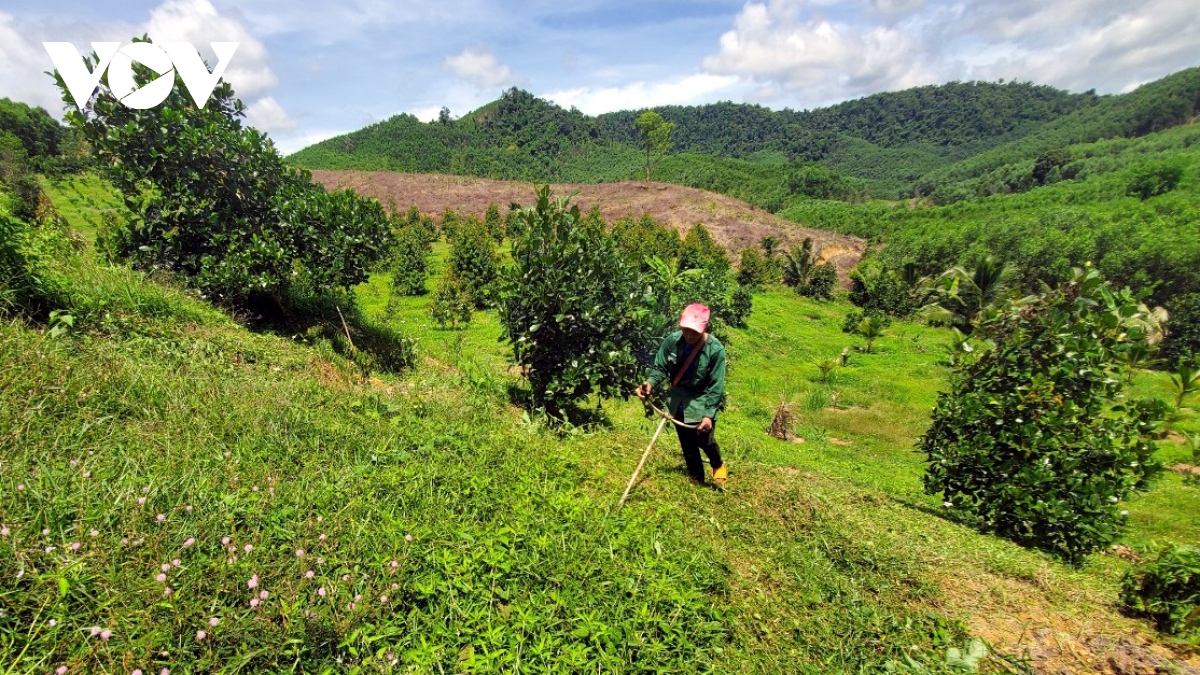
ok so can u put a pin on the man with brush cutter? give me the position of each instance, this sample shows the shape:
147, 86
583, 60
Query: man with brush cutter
695, 363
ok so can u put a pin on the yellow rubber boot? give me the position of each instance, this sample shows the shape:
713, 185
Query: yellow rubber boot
720, 474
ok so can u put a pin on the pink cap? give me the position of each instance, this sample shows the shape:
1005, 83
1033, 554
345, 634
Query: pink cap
695, 316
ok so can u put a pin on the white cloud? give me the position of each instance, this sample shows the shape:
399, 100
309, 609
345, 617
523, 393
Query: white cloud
22, 61
482, 69
267, 115
778, 45
198, 22
818, 54
637, 95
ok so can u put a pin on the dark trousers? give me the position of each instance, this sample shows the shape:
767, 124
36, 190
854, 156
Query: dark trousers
692, 443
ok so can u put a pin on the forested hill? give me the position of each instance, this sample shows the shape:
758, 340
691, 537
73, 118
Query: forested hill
953, 141
521, 136
952, 120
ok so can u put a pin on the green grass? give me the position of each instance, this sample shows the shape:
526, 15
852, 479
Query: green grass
85, 201
495, 539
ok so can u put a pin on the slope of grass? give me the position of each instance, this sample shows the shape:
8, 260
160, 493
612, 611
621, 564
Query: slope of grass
176, 491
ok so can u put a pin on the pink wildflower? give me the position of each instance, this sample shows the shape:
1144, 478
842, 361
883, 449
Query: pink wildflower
214, 621
136, 671
263, 595
320, 561
345, 577
322, 537
309, 574
200, 635
164, 671
176, 562
168, 590
299, 553
254, 602
165, 567
87, 474
321, 591
75, 546
95, 631
105, 634
141, 500
74, 462
253, 581
225, 541
45, 532
247, 548
53, 622
161, 578
162, 518
94, 533
188, 508
61, 670
395, 564
383, 599
146, 489
3, 530
408, 538
320, 519
189, 542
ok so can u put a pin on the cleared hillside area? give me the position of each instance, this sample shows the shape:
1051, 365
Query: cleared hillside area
733, 223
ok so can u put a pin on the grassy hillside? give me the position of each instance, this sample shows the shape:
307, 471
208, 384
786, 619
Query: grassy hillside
180, 492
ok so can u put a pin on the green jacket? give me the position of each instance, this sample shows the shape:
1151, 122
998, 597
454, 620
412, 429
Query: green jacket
699, 392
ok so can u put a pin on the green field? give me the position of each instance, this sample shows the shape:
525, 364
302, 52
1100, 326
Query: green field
183, 492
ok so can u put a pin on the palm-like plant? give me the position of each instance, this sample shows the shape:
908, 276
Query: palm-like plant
871, 328
961, 296
799, 263
1185, 381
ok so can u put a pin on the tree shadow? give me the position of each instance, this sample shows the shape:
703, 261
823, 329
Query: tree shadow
335, 317
573, 418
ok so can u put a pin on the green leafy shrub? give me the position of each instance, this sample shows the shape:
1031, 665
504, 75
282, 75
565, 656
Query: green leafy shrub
1029, 441
474, 261
423, 224
821, 283
494, 223
14, 278
753, 271
216, 204
1154, 178
571, 307
875, 287
1167, 590
853, 319
452, 302
643, 238
700, 250
741, 303
410, 261
1183, 329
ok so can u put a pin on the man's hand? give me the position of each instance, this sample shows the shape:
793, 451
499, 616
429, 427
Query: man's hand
705, 425
643, 391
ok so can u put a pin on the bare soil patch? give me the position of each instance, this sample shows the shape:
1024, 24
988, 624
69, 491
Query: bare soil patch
733, 223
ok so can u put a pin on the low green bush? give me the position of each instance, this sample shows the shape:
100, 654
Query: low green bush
1167, 590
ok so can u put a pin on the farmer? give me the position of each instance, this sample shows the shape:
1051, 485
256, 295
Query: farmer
696, 392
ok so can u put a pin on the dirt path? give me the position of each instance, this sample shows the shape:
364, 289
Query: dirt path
734, 224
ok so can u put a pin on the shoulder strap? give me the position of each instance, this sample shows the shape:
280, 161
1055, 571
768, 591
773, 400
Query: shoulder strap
688, 362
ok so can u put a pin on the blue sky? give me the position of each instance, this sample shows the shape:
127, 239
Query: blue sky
309, 70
